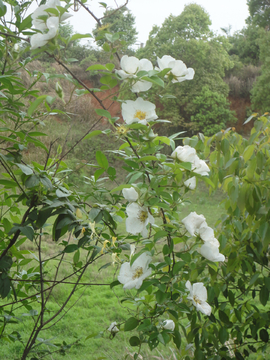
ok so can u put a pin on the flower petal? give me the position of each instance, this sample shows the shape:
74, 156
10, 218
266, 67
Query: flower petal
130, 194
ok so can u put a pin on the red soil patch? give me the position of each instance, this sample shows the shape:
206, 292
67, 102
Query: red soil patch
240, 105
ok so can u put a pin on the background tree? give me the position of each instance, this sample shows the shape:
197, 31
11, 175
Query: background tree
260, 93
121, 21
182, 37
259, 12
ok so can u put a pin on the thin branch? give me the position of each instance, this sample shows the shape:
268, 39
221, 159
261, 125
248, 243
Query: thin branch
120, 7
89, 11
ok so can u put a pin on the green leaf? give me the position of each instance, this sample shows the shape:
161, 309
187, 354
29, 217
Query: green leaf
114, 283
98, 173
134, 341
96, 67
71, 248
249, 151
163, 139
264, 295
35, 104
4, 286
154, 79
102, 112
80, 36
6, 262
25, 169
32, 181
223, 335
131, 324
92, 134
110, 66
250, 118
177, 339
264, 335
28, 232
102, 160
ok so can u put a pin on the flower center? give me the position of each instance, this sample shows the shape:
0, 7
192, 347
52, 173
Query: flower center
138, 273
197, 300
143, 215
140, 115
122, 130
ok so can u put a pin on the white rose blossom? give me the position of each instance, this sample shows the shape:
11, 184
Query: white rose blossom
138, 218
130, 194
196, 225
190, 183
210, 251
133, 276
193, 222
198, 295
179, 72
48, 27
138, 111
185, 153
168, 325
130, 66
132, 250
113, 328
188, 154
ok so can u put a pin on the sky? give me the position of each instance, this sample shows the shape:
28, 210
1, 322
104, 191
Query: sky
153, 12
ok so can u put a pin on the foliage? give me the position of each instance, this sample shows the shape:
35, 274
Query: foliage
259, 12
212, 112
122, 22
181, 37
260, 91
218, 310
245, 44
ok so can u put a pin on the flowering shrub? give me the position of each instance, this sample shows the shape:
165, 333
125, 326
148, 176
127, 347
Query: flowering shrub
168, 272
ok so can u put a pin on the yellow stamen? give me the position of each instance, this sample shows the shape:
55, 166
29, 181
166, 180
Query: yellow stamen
197, 300
122, 130
141, 115
143, 215
138, 273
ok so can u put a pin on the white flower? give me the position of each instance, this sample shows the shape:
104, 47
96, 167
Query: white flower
200, 167
132, 250
185, 153
130, 194
198, 295
133, 276
138, 218
179, 71
140, 111
48, 27
210, 251
190, 183
113, 328
193, 222
207, 234
130, 67
168, 325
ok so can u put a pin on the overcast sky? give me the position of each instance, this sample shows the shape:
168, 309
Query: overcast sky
153, 12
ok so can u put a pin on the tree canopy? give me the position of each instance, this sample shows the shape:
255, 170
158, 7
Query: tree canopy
122, 21
188, 37
259, 12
